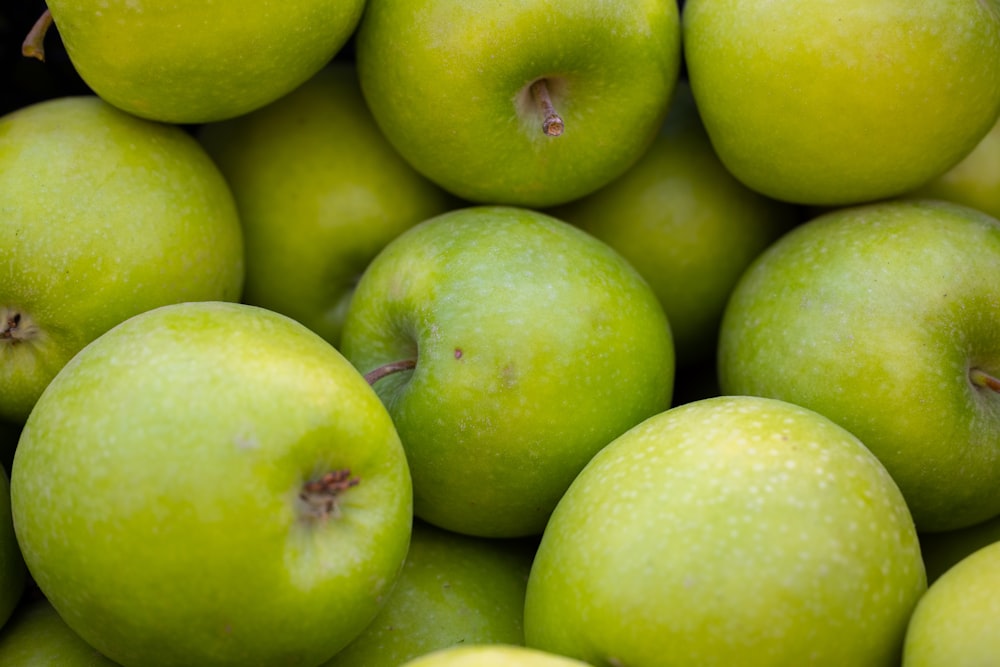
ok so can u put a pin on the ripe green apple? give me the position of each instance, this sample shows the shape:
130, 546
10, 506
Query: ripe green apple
185, 61
235, 492
886, 319
942, 550
13, 575
686, 224
975, 181
530, 102
835, 102
36, 635
955, 622
319, 191
492, 655
522, 345
735, 530
104, 216
454, 589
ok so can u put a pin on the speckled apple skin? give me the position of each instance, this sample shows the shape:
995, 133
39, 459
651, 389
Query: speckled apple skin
734, 530
492, 656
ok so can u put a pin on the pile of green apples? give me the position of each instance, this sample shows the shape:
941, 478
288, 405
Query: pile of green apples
454, 333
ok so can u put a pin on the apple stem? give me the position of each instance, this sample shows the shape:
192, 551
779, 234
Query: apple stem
981, 378
320, 495
34, 44
377, 374
552, 125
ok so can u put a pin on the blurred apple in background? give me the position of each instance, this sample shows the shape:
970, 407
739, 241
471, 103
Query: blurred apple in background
104, 216
975, 181
521, 345
37, 636
886, 319
835, 102
464, 88
685, 224
13, 575
453, 590
955, 622
492, 656
212, 484
735, 530
194, 62
319, 191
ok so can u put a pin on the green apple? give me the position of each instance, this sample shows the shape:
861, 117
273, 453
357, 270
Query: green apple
13, 575
36, 635
319, 191
529, 103
185, 61
454, 589
735, 530
492, 656
944, 549
835, 102
886, 319
522, 345
955, 623
235, 492
975, 181
102, 216
686, 224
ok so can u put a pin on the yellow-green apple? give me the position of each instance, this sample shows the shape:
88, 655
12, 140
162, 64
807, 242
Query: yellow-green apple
975, 181
531, 102
955, 622
454, 589
734, 530
102, 216
184, 61
509, 347
686, 224
212, 483
492, 655
886, 319
36, 635
836, 102
944, 549
13, 575
319, 191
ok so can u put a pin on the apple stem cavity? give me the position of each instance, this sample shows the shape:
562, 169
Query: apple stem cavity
981, 378
16, 327
552, 125
377, 374
320, 495
34, 43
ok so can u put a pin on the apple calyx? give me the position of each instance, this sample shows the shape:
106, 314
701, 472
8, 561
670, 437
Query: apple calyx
377, 374
33, 45
320, 495
552, 125
16, 327
981, 378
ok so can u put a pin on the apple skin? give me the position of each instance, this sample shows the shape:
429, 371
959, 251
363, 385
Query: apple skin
943, 550
686, 224
13, 574
182, 61
492, 656
735, 530
454, 589
448, 81
879, 317
185, 438
36, 635
535, 343
837, 102
319, 191
955, 622
104, 216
